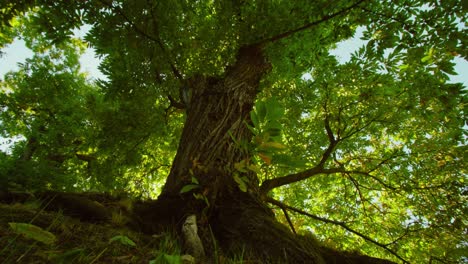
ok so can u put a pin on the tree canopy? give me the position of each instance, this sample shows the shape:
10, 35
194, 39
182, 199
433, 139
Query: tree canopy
368, 154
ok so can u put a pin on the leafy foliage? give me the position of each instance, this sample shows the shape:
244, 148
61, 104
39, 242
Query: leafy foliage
370, 153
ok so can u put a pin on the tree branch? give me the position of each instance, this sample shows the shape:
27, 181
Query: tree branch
309, 25
403, 23
370, 176
157, 40
270, 184
338, 223
285, 212
176, 104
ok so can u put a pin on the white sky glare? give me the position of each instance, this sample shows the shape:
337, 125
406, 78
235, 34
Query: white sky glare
17, 52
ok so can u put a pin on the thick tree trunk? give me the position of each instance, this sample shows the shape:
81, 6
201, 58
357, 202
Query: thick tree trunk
240, 221
218, 109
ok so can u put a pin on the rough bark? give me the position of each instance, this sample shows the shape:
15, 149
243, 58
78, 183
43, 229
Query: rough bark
240, 221
217, 110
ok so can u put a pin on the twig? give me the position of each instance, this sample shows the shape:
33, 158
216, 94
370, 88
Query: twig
285, 212
309, 25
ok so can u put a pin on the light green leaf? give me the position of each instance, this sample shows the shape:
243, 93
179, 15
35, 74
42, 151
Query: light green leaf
195, 180
241, 182
240, 166
124, 240
253, 168
172, 259
427, 58
33, 232
189, 187
273, 146
403, 66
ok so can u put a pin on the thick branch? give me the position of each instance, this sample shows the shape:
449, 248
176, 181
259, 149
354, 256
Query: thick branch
310, 24
338, 223
268, 185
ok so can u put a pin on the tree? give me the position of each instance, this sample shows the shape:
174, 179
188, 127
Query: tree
369, 152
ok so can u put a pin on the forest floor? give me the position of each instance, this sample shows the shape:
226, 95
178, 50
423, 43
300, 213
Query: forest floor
30, 235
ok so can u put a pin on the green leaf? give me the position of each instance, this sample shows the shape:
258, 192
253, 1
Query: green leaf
288, 161
261, 111
427, 58
447, 67
403, 66
200, 196
33, 232
254, 118
189, 187
172, 259
240, 166
273, 125
274, 131
232, 137
274, 110
273, 146
254, 168
124, 240
241, 182
195, 180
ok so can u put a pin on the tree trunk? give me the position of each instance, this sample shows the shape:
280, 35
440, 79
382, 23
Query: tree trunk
240, 221
217, 111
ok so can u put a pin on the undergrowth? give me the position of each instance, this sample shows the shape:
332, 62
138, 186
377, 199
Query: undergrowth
31, 235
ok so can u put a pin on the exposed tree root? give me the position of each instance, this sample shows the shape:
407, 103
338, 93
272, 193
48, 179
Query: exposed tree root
240, 224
